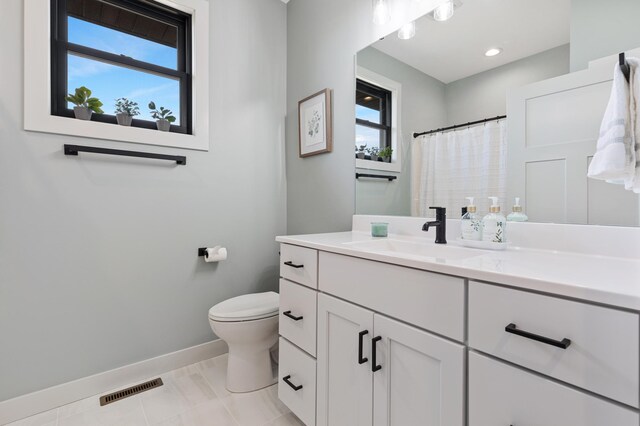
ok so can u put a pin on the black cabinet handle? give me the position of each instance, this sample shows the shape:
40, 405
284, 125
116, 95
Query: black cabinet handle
374, 365
293, 265
287, 381
361, 359
290, 315
562, 344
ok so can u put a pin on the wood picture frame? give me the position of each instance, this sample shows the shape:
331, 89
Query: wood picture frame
315, 126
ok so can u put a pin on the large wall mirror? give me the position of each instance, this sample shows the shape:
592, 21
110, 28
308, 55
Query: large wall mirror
488, 98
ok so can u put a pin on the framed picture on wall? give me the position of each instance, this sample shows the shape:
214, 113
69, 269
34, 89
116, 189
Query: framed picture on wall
314, 123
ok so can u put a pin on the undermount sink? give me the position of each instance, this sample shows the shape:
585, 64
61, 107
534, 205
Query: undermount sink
412, 248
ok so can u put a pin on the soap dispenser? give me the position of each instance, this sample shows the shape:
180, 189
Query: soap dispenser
494, 224
517, 215
470, 224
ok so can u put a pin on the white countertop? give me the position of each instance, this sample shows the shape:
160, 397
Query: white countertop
607, 280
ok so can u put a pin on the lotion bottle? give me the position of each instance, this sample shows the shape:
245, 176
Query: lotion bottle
494, 224
517, 215
470, 224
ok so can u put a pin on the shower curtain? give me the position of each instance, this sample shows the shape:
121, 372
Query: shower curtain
447, 167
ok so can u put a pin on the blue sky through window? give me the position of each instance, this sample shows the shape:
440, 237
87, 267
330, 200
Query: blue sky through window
366, 135
109, 82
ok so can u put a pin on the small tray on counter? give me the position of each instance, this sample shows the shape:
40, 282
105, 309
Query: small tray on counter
486, 245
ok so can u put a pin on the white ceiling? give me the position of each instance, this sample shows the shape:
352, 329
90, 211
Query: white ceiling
454, 49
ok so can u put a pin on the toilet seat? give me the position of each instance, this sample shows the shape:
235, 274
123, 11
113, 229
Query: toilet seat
247, 307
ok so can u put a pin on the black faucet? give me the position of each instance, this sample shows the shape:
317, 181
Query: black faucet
440, 223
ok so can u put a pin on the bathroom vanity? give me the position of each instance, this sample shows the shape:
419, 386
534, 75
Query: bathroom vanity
401, 331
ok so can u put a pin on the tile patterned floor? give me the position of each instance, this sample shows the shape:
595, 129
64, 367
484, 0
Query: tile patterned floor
191, 396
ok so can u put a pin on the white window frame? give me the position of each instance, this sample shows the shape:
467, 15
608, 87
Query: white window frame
395, 88
37, 83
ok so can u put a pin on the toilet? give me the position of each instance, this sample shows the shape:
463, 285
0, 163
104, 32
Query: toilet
249, 325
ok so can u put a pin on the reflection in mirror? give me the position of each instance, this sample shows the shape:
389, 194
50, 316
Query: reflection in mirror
506, 99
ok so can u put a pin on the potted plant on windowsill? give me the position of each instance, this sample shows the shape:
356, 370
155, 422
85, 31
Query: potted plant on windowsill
373, 153
386, 153
164, 117
360, 152
125, 111
85, 105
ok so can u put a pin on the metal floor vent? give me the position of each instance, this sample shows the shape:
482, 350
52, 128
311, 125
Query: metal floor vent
125, 393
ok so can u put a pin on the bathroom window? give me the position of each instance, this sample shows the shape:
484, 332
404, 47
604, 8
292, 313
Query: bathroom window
129, 49
373, 116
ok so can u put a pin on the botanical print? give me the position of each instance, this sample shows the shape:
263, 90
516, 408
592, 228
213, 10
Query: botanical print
314, 124
499, 237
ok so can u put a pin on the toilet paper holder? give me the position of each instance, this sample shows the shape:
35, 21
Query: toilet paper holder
213, 254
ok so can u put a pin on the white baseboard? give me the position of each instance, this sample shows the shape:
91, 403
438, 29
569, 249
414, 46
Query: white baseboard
66, 393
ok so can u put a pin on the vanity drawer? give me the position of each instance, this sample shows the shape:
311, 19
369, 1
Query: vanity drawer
431, 301
602, 355
299, 394
299, 264
500, 394
298, 315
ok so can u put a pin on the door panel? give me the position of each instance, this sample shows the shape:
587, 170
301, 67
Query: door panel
421, 380
345, 387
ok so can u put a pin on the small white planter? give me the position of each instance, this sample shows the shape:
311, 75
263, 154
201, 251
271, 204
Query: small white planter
386, 159
124, 119
163, 125
360, 155
82, 113
374, 157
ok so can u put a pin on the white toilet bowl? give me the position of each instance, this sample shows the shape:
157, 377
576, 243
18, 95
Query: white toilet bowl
249, 325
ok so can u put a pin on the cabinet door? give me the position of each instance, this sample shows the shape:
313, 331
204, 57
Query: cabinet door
421, 379
345, 388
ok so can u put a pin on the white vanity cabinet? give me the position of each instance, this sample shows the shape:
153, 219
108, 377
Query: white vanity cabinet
371, 364
369, 343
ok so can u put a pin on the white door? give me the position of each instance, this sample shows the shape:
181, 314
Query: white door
421, 379
345, 388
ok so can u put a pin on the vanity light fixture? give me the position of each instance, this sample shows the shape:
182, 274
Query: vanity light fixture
493, 51
407, 31
381, 13
443, 11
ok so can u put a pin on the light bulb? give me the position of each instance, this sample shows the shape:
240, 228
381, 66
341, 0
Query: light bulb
493, 51
381, 13
407, 31
444, 11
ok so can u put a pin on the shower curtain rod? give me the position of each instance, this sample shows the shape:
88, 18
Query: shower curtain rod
471, 123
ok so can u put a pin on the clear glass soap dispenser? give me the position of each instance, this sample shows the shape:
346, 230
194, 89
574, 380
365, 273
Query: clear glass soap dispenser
494, 224
517, 215
471, 224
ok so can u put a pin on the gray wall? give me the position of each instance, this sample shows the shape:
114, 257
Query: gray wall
485, 94
322, 40
602, 28
98, 265
422, 106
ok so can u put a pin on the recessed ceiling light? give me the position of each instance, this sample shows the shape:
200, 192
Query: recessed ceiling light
407, 31
368, 98
493, 51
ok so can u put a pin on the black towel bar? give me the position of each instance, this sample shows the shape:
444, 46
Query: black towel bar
75, 149
367, 175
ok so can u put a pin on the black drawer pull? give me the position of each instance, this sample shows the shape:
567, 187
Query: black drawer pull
361, 359
293, 265
287, 381
374, 365
562, 344
290, 315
